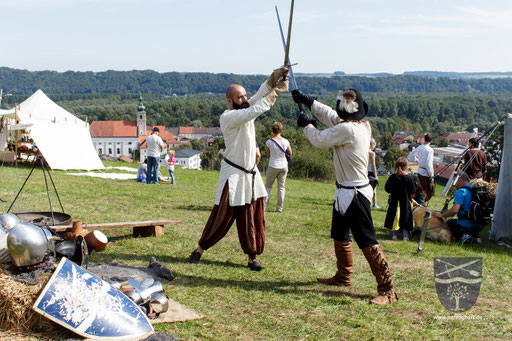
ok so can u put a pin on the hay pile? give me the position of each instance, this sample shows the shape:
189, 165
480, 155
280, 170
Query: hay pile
17, 319
491, 186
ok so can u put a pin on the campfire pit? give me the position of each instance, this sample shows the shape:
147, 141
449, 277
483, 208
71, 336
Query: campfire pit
45, 218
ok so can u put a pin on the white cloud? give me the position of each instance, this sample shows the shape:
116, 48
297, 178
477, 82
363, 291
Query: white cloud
464, 22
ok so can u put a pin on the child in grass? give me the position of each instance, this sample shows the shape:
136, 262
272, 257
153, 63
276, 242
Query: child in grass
400, 186
170, 165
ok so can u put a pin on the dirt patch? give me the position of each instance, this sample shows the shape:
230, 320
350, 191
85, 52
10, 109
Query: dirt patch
412, 264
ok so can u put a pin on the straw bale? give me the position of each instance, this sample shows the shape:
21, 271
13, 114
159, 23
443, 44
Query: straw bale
491, 186
16, 301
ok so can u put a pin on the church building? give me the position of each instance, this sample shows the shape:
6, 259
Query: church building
127, 138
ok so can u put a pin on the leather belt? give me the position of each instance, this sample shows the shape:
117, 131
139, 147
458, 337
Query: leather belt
338, 185
252, 172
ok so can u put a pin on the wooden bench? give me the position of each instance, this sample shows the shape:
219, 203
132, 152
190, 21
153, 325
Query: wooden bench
140, 228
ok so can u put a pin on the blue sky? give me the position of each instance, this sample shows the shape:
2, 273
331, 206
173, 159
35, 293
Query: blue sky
243, 36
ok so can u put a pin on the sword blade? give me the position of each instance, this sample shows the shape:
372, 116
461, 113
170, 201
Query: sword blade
459, 267
287, 62
288, 38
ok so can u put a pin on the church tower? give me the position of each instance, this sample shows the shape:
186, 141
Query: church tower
141, 118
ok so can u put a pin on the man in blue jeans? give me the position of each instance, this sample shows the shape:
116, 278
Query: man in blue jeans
464, 230
154, 145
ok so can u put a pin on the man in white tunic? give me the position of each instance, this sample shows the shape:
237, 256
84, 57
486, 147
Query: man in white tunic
241, 192
349, 135
424, 154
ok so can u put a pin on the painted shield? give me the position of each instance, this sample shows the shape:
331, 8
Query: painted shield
89, 306
458, 282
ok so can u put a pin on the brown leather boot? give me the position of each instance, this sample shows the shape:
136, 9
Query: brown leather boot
380, 269
344, 262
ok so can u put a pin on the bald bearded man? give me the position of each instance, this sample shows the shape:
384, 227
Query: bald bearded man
241, 192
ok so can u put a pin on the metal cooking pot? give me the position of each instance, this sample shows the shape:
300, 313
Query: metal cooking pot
29, 244
65, 249
9, 220
75, 250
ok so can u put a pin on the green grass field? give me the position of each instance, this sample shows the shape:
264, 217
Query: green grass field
284, 301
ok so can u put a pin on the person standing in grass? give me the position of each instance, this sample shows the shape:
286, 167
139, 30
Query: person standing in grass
424, 154
401, 187
154, 145
349, 135
240, 192
475, 161
171, 161
372, 172
276, 149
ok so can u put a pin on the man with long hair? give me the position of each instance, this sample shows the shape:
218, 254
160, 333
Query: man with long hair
349, 134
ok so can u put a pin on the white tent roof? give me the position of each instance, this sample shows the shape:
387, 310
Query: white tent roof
7, 113
63, 139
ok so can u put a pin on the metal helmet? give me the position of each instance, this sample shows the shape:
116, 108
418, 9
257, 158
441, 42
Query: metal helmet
4, 253
29, 244
9, 220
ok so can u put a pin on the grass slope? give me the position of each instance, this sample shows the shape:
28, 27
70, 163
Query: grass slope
284, 301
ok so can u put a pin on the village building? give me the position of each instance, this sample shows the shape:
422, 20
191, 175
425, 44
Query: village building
204, 134
456, 137
188, 158
127, 138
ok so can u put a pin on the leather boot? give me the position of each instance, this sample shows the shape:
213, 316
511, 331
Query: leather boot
344, 262
380, 269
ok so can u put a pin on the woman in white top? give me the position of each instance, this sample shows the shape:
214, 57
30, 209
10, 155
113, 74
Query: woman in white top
276, 148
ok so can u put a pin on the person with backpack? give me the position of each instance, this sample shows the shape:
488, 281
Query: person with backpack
464, 229
278, 151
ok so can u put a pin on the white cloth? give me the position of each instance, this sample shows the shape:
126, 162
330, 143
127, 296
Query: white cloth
237, 127
350, 142
117, 176
277, 158
424, 154
154, 145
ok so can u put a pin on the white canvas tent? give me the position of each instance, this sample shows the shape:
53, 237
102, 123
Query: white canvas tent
63, 139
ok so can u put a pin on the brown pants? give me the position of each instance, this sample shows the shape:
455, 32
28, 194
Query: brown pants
427, 185
250, 222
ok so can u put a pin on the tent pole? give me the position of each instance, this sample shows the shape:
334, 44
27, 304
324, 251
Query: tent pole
16, 136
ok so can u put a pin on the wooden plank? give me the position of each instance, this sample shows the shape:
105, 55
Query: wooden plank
66, 228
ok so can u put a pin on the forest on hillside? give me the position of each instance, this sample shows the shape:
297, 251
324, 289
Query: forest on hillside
23, 82
396, 103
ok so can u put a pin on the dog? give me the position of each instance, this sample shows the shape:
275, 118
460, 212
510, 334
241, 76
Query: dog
442, 233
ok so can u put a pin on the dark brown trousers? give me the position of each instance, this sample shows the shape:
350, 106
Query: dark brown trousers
250, 222
427, 185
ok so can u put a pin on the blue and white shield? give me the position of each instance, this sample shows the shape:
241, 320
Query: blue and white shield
458, 282
89, 306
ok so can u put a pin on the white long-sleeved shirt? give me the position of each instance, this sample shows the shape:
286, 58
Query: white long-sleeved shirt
237, 126
424, 154
350, 142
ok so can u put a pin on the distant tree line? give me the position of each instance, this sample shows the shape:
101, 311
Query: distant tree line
16, 81
396, 103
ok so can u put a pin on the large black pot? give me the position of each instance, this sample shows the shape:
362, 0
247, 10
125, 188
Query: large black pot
45, 218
